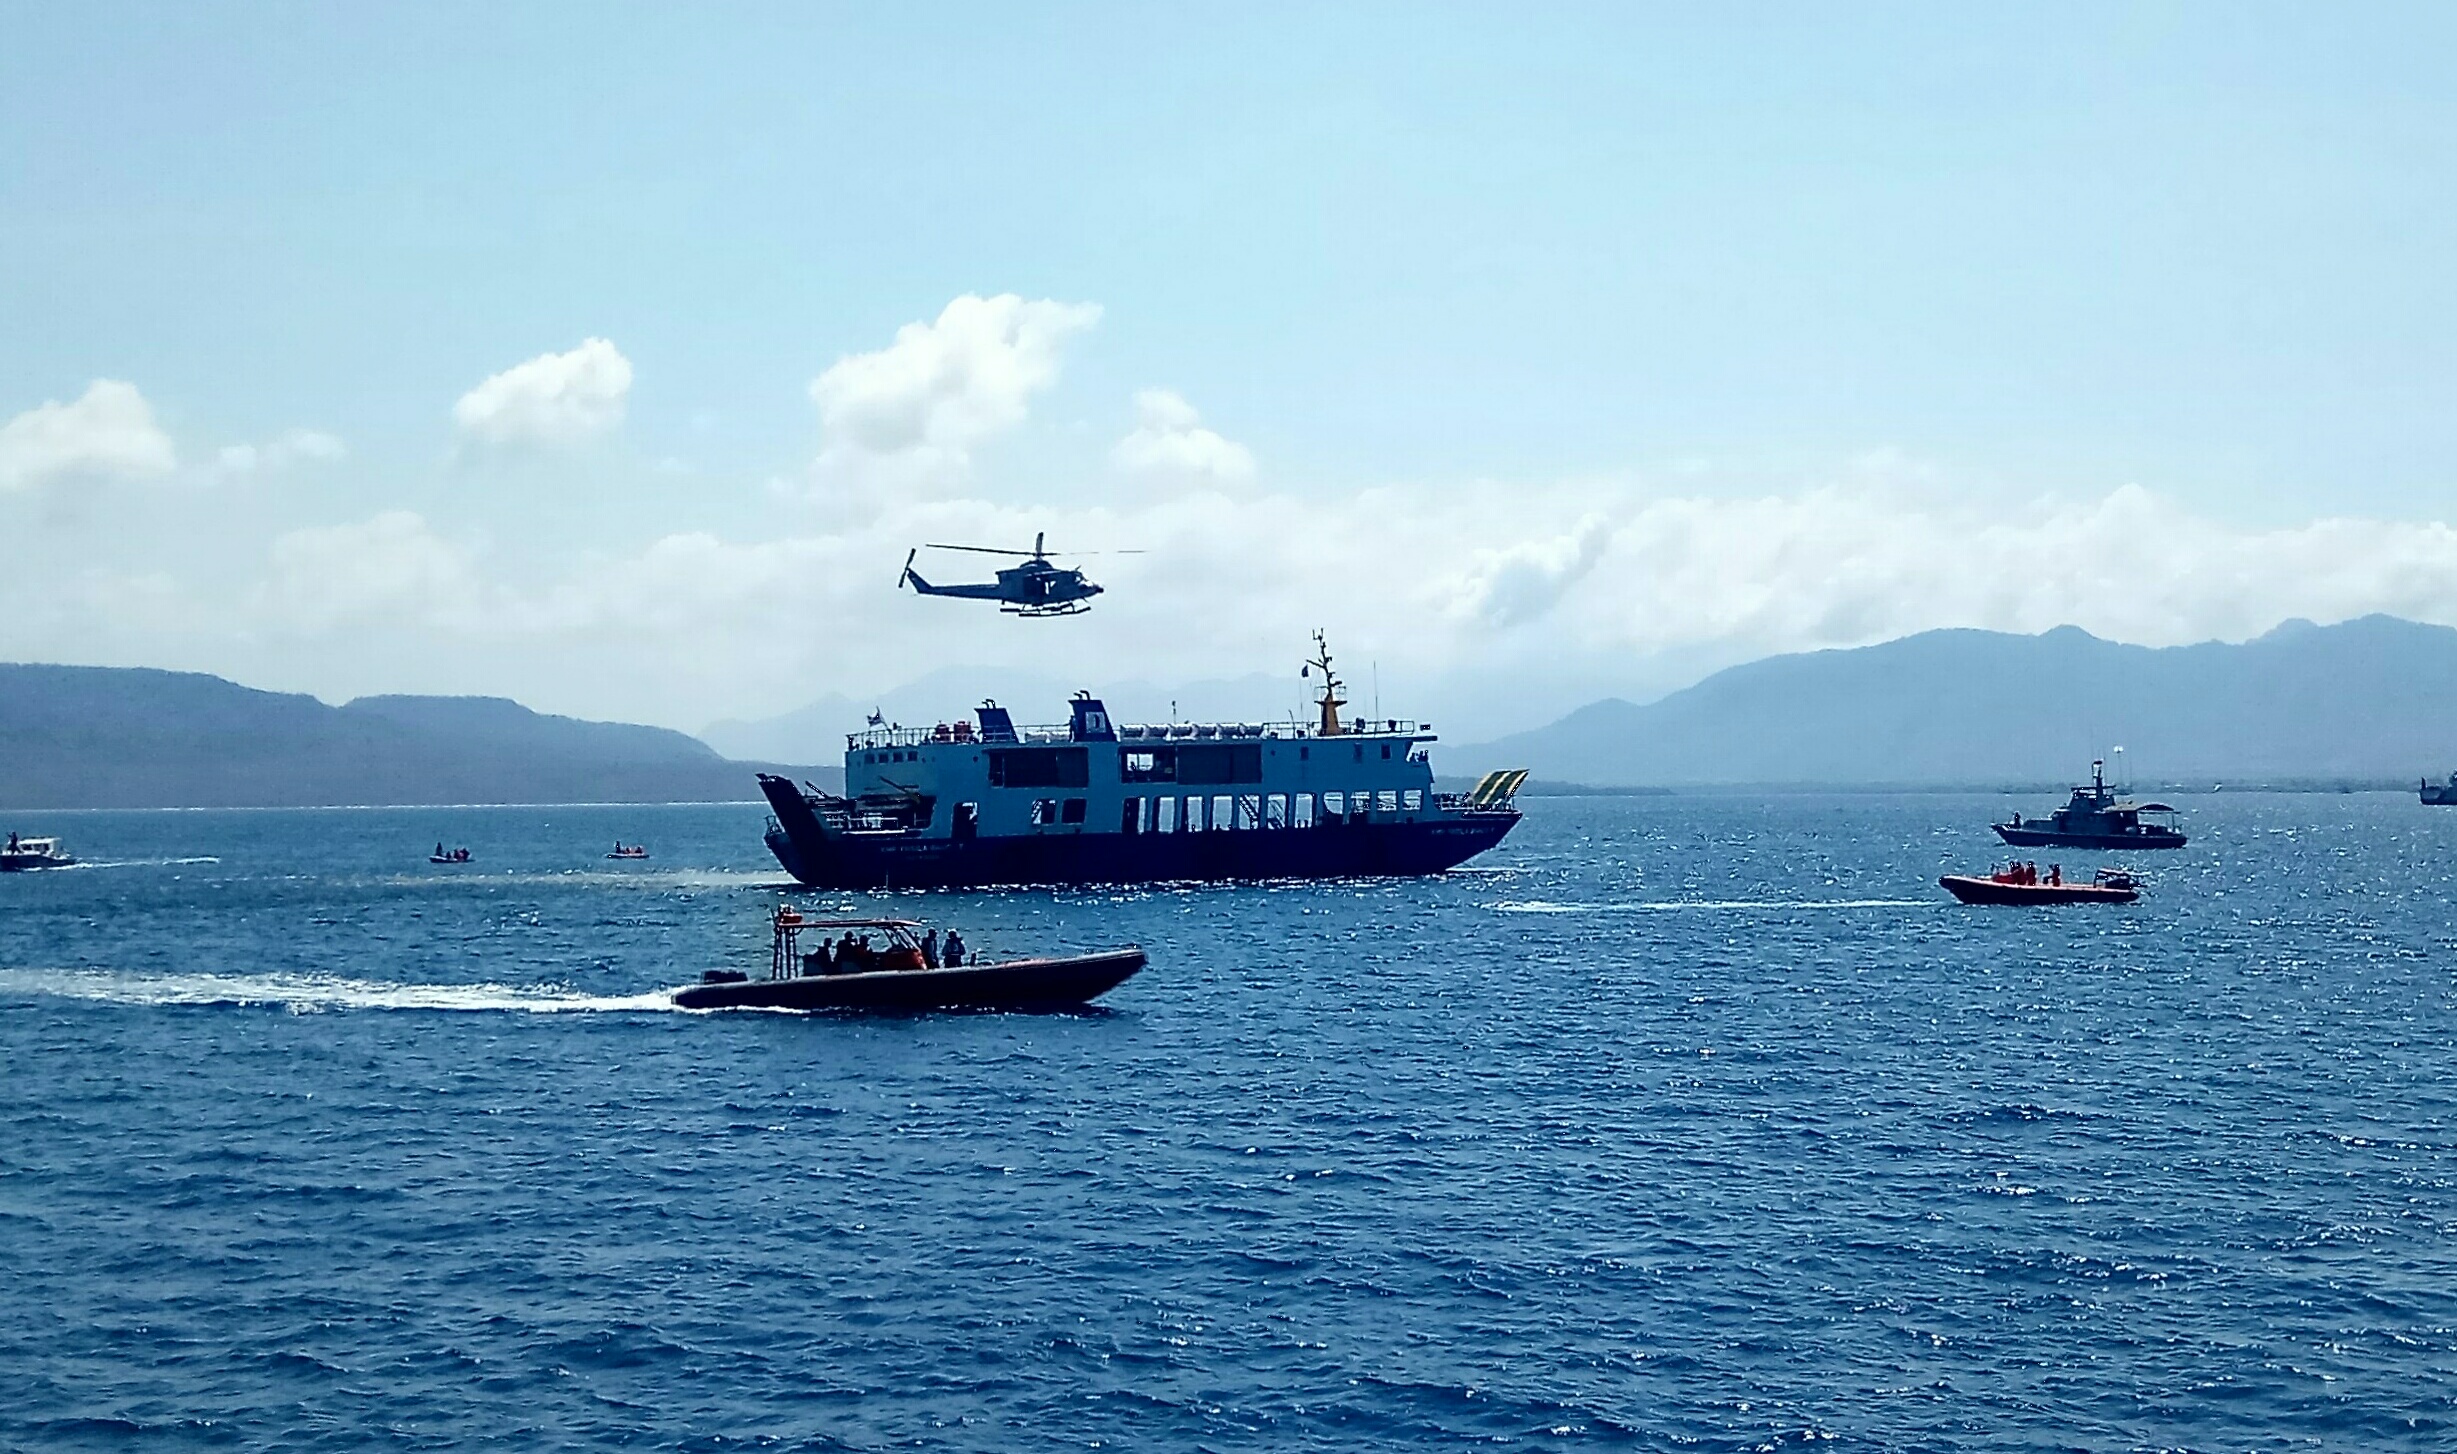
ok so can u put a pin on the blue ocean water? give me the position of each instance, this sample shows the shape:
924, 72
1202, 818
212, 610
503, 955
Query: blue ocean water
1701, 1122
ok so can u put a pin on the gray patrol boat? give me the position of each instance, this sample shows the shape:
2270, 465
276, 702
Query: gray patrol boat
2096, 818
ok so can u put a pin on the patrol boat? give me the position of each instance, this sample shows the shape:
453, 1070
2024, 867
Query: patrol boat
2440, 795
2095, 818
988, 802
26, 854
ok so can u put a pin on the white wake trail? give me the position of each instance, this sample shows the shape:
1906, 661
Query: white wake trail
309, 993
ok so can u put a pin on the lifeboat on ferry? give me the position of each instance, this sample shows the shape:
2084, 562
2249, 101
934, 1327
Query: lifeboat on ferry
2022, 883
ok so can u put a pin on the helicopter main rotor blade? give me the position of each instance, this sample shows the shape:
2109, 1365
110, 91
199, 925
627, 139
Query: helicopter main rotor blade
977, 549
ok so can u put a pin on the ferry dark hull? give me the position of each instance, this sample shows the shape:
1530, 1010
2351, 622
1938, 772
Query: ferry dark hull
2439, 797
890, 861
2030, 837
1018, 985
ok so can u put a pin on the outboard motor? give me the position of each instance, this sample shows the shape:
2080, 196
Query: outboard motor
1091, 720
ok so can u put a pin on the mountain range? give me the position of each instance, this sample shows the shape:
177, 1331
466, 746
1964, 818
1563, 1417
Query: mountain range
2371, 700
112, 737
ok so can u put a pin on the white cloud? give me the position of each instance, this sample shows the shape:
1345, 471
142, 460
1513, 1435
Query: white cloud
292, 447
554, 399
1169, 441
912, 413
388, 571
1524, 581
1486, 607
108, 433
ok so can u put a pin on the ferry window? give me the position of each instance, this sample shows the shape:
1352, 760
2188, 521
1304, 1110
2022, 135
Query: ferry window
1359, 804
1301, 814
1072, 812
1164, 815
1305, 754
1360, 752
1223, 813
1148, 764
1040, 767
1249, 811
1130, 819
1275, 811
1220, 762
1386, 752
1194, 815
1044, 811
1413, 799
1388, 800
1334, 804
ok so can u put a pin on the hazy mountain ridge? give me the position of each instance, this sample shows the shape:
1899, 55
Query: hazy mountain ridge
106, 737
2374, 698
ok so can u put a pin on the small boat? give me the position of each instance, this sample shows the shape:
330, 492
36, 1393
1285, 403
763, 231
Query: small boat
2440, 795
26, 854
2096, 818
898, 977
629, 850
2021, 884
443, 855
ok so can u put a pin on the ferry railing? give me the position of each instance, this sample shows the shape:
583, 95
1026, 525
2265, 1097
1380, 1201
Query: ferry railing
1044, 734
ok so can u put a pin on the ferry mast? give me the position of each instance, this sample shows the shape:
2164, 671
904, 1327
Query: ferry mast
1330, 701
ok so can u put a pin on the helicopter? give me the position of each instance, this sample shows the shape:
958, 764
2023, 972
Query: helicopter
1034, 588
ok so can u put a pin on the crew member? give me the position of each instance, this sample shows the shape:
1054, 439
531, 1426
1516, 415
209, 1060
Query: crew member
954, 955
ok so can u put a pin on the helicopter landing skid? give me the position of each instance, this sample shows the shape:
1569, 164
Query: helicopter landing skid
1071, 608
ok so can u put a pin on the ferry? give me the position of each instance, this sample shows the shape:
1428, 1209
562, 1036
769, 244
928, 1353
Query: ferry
2440, 795
1092, 801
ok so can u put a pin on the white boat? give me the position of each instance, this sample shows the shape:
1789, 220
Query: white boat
31, 853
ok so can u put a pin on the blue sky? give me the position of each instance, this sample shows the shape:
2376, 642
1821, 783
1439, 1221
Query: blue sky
1499, 261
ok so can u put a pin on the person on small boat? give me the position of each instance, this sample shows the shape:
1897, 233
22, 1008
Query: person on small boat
953, 955
929, 950
2056, 875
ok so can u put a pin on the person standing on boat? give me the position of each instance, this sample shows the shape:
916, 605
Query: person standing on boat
955, 950
929, 950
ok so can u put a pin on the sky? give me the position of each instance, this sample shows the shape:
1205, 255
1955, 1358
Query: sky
612, 358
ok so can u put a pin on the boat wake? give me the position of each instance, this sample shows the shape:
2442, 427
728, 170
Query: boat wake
305, 994
85, 864
1652, 906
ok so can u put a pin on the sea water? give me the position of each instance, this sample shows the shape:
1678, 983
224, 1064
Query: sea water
1700, 1121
